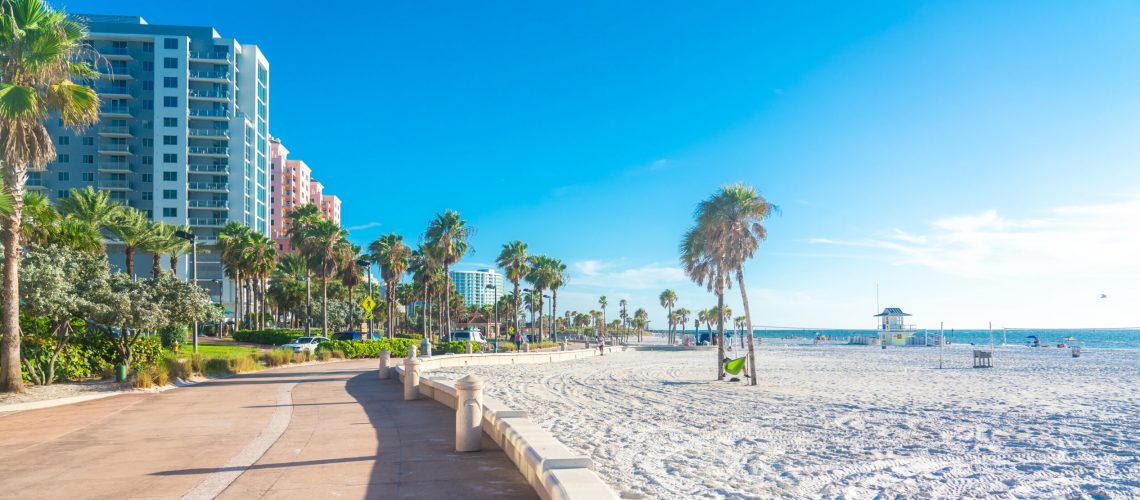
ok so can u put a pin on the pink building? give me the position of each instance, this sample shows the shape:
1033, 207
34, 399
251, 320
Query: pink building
292, 185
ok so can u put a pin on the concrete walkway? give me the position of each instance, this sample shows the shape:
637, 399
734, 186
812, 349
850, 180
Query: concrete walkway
318, 431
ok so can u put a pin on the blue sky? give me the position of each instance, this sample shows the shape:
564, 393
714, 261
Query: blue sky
975, 160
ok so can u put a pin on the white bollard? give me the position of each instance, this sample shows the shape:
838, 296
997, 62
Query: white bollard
562, 346
385, 360
411, 378
468, 348
468, 414
526, 346
411, 351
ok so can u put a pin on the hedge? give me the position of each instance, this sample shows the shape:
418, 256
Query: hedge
454, 347
268, 337
368, 348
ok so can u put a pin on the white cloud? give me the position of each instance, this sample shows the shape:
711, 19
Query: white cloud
361, 227
612, 275
1075, 239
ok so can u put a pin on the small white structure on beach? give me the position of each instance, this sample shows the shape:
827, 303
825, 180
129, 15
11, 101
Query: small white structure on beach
892, 329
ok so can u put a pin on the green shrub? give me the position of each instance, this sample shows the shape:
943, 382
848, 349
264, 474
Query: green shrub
177, 369
337, 354
216, 367
242, 364
300, 357
268, 337
353, 349
324, 355
160, 375
197, 363
174, 334
414, 336
453, 347
143, 378
277, 357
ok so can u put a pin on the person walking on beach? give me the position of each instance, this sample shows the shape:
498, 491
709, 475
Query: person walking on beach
601, 340
518, 339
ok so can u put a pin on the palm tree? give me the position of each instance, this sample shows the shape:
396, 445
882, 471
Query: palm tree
705, 264
133, 229
668, 300
448, 234
393, 256
261, 256
351, 277
603, 302
623, 314
683, 318
232, 239
325, 245
732, 228
543, 274
90, 206
41, 52
558, 279
161, 238
513, 259
287, 291
641, 317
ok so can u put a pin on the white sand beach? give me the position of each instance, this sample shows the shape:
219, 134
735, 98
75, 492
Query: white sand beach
837, 420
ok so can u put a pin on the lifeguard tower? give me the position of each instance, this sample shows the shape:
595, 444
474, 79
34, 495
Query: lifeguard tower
893, 329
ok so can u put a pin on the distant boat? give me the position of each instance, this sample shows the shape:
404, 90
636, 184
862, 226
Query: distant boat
1103, 296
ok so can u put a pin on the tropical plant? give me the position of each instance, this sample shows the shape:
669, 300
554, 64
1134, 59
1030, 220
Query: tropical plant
668, 300
161, 236
683, 315
447, 235
326, 248
41, 54
731, 227
603, 303
515, 262
133, 229
393, 256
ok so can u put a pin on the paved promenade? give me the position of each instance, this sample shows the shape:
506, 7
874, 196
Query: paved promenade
318, 431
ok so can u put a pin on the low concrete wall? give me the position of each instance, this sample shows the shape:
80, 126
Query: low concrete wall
555, 472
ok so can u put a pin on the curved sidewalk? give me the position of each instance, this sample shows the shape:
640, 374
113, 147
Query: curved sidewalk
327, 430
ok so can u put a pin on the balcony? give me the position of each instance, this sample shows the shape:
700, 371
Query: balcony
117, 74
113, 131
212, 187
206, 222
208, 133
203, 151
115, 53
209, 204
210, 114
114, 91
114, 149
115, 111
210, 95
210, 57
35, 183
115, 185
211, 76
205, 168
115, 168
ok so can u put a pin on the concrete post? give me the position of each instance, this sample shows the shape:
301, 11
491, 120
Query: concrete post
468, 348
468, 414
411, 378
385, 360
562, 346
526, 346
411, 351
426, 344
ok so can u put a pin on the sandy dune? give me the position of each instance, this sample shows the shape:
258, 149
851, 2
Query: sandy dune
836, 420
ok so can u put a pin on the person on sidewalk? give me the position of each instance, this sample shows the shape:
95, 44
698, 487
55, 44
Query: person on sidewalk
601, 344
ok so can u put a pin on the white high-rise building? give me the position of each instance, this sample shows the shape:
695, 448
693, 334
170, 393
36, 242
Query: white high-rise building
183, 134
472, 285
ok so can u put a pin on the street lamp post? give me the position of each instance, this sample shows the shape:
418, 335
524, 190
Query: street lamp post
551, 316
495, 339
526, 338
221, 323
308, 300
193, 239
368, 265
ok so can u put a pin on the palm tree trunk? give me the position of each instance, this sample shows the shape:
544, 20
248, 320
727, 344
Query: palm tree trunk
264, 299
748, 325
554, 315
719, 335
447, 298
174, 263
156, 265
424, 316
130, 251
11, 380
518, 298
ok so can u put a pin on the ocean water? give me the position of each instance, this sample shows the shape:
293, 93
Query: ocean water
1108, 338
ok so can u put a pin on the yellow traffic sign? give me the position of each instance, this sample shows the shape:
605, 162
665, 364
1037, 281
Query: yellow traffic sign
368, 315
368, 304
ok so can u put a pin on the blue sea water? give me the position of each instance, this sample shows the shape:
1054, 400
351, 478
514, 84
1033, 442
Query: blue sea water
1111, 338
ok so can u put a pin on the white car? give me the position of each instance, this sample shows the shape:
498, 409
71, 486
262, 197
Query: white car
302, 344
472, 335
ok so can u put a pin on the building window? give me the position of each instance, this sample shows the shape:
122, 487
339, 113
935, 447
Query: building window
170, 140
169, 194
170, 158
170, 62
148, 143
170, 43
147, 196
148, 177
63, 159
148, 104
148, 65
170, 122
88, 141
170, 82
148, 47
65, 176
170, 176
61, 194
148, 160
88, 176
170, 212
88, 159
170, 101
148, 84
63, 140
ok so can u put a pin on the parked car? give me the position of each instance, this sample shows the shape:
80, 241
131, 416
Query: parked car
301, 344
472, 335
351, 335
